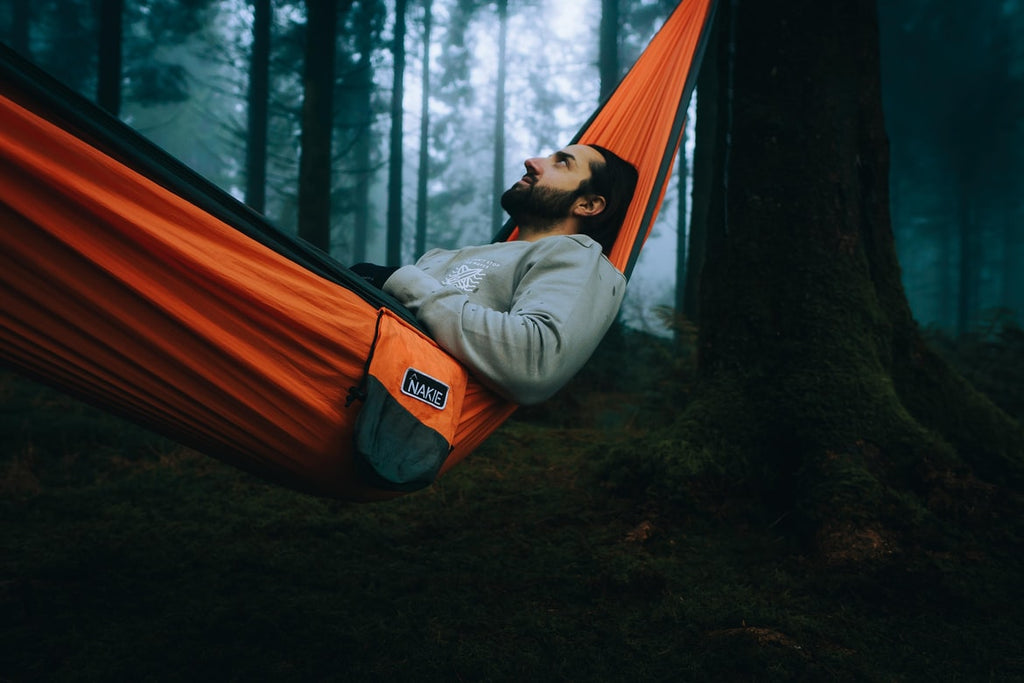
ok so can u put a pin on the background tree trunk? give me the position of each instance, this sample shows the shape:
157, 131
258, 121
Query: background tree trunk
423, 174
21, 22
608, 48
706, 169
682, 214
948, 289
968, 273
110, 42
1012, 282
815, 388
317, 123
362, 147
498, 178
258, 114
394, 238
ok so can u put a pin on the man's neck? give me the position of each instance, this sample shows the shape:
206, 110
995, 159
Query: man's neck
534, 232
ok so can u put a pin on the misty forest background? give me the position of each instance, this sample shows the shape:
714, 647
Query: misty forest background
428, 109
800, 456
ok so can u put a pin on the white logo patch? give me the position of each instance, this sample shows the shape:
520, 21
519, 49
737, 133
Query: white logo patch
423, 387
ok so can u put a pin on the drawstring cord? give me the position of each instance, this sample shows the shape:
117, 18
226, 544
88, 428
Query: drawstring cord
358, 392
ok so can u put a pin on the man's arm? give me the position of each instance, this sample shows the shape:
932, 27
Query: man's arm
562, 307
372, 273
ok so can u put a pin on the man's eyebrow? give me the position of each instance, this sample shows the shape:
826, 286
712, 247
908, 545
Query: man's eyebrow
564, 155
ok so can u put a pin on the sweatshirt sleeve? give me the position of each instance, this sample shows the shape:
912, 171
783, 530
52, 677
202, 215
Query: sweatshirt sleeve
565, 301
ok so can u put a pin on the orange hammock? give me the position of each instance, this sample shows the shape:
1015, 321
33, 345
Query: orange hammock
169, 307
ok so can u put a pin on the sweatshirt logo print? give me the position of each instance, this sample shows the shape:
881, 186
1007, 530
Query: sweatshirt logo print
465, 278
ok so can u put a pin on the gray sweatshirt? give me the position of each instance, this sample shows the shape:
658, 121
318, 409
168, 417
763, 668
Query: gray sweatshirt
522, 316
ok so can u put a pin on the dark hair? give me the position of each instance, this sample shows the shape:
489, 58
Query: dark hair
615, 180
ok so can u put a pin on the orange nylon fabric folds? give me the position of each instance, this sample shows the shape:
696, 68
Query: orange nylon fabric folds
642, 120
131, 296
637, 120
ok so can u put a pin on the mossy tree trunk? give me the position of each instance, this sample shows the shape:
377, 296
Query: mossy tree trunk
815, 388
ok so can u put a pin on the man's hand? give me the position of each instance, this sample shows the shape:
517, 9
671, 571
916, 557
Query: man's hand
372, 273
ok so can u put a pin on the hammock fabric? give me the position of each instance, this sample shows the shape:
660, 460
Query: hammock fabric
133, 283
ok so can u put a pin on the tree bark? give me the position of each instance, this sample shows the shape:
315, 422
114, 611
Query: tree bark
317, 123
815, 388
258, 110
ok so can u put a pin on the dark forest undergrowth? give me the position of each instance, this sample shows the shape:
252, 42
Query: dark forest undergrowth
125, 557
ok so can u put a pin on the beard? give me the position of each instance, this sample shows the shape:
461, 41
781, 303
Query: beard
537, 207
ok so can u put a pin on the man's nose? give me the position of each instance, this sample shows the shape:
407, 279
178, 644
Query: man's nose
533, 165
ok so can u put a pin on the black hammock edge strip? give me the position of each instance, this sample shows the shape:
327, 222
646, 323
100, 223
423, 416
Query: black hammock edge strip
38, 91
678, 128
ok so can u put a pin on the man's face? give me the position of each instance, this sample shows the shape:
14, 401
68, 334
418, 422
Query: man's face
550, 187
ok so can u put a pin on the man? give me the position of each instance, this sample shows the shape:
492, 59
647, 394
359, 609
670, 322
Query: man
525, 315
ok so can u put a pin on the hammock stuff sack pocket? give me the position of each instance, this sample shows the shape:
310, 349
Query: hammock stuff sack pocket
412, 393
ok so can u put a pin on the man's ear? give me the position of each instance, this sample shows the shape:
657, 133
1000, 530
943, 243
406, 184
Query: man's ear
588, 205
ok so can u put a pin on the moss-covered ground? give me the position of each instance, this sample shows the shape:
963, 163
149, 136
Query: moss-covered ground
124, 557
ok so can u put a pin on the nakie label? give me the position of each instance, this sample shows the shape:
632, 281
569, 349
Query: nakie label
425, 388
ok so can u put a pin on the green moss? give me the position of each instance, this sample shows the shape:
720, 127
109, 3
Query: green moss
161, 564
985, 437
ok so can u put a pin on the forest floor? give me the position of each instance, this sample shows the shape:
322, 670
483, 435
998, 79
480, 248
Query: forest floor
124, 557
